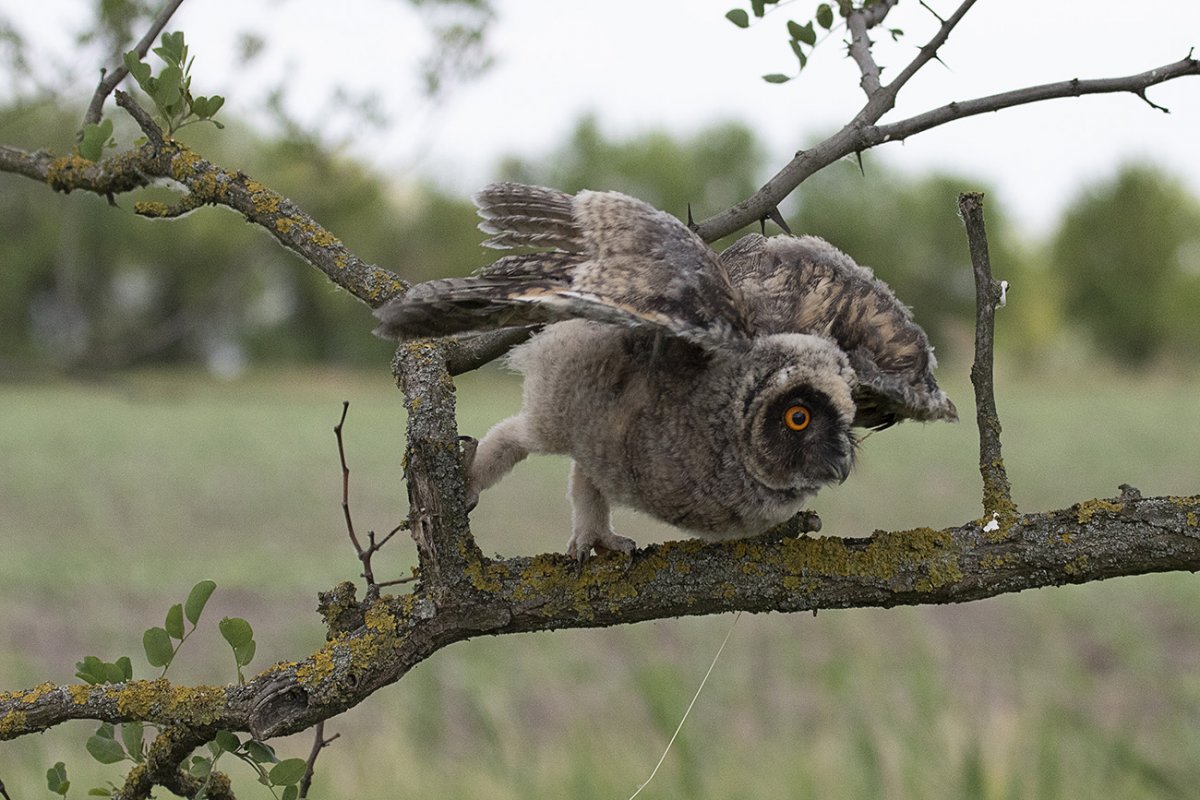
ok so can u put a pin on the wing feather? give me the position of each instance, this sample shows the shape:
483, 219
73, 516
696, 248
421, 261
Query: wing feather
609, 257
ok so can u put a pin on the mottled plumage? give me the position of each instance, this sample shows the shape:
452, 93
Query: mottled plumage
716, 393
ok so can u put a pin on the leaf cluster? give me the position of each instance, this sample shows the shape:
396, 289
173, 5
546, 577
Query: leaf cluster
171, 89
161, 645
800, 36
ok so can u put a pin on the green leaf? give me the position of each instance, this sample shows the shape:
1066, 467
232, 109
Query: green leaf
799, 51
227, 741
126, 668
196, 600
99, 791
169, 89
132, 734
139, 69
739, 17
291, 792
56, 779
758, 7
113, 673
244, 653
90, 670
106, 731
105, 749
896, 34
95, 137
236, 631
214, 104
794, 29
825, 16
804, 33
158, 647
776, 77
261, 752
200, 766
174, 623
287, 772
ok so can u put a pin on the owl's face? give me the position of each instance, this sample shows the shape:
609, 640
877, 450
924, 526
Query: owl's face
797, 413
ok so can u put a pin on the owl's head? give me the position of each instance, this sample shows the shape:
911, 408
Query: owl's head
796, 410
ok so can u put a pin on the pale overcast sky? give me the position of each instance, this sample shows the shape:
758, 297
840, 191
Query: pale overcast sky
679, 65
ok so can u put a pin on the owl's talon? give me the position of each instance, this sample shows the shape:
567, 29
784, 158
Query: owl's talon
582, 545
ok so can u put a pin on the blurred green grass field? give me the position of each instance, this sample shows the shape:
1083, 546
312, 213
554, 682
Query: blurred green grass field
117, 496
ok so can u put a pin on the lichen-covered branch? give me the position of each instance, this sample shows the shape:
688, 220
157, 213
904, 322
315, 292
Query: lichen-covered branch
863, 133
1096, 539
997, 493
163, 160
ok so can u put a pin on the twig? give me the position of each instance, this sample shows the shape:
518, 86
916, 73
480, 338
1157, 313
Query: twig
365, 554
4, 792
110, 79
860, 51
319, 744
930, 50
997, 493
862, 134
143, 119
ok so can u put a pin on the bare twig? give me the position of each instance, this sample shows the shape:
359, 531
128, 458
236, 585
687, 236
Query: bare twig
862, 134
110, 79
929, 51
319, 744
997, 494
365, 554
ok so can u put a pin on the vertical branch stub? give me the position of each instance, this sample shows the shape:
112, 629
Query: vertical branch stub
433, 466
997, 493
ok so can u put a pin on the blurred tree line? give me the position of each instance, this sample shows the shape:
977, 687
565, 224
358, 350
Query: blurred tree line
91, 287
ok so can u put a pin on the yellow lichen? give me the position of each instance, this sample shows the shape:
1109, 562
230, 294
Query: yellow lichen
318, 667
12, 724
79, 693
184, 165
1086, 510
1192, 522
284, 224
883, 557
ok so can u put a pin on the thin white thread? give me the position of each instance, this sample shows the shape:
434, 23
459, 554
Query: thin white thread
695, 697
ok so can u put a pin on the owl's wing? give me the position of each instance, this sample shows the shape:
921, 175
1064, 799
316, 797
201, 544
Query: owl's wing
805, 285
602, 256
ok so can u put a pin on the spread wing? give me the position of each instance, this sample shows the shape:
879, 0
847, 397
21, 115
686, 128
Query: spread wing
600, 255
805, 285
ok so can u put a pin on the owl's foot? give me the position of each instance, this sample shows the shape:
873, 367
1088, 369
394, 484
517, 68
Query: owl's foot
602, 541
799, 525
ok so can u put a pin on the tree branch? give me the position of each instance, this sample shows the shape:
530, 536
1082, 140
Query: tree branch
109, 80
162, 160
1090, 541
862, 134
997, 493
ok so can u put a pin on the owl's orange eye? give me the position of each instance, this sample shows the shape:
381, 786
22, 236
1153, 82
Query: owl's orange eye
797, 417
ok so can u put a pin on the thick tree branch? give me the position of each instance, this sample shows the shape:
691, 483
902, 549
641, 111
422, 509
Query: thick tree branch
1090, 541
110, 79
162, 160
862, 133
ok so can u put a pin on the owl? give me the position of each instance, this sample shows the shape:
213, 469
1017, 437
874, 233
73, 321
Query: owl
717, 393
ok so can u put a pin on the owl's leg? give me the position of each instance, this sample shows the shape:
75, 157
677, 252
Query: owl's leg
501, 449
591, 525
